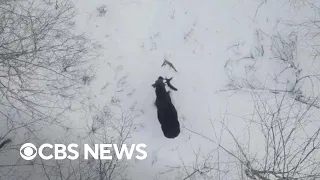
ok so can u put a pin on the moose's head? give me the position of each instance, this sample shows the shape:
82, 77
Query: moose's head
159, 82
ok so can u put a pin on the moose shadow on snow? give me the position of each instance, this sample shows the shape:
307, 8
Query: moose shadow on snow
167, 113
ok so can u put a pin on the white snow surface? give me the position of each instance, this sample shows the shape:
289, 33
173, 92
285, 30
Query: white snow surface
137, 34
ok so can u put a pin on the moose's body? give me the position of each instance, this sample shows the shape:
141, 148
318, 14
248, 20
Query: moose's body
167, 113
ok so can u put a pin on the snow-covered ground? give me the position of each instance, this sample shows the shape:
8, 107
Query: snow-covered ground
195, 37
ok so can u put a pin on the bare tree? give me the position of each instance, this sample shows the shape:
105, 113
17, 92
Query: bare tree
114, 124
43, 63
204, 166
280, 73
290, 141
44, 67
286, 103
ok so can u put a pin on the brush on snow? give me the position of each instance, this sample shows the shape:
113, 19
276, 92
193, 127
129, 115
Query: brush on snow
7, 141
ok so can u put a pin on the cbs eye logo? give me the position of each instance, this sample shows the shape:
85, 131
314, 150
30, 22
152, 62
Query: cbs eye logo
28, 151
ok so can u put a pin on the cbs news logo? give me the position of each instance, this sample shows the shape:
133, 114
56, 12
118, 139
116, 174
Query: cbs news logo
29, 151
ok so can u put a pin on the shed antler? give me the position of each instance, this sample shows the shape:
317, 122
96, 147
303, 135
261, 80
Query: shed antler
166, 62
